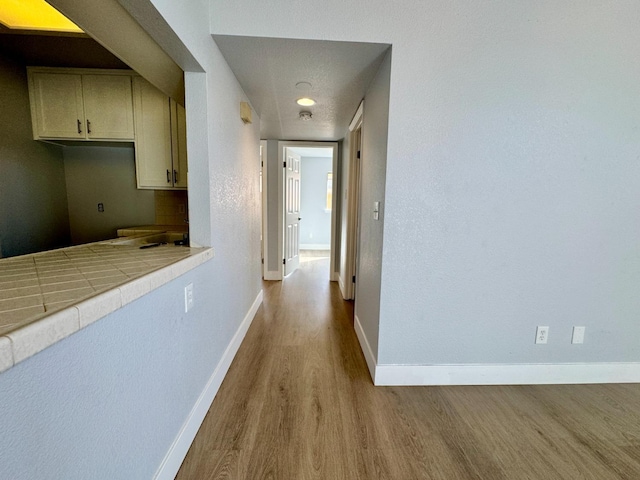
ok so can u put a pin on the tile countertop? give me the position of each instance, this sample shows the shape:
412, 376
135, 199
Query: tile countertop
47, 296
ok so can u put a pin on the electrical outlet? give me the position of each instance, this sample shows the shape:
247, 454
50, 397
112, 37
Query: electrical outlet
542, 334
188, 297
578, 335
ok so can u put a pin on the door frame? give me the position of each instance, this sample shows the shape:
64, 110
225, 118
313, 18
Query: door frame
353, 206
333, 275
264, 243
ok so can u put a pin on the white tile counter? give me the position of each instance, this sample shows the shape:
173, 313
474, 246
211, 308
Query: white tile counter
47, 296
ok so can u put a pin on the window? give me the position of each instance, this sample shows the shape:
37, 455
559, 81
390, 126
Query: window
329, 191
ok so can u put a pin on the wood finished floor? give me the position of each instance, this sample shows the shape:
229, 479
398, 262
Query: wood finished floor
298, 403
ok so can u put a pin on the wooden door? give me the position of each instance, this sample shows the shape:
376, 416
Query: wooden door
108, 107
292, 212
57, 106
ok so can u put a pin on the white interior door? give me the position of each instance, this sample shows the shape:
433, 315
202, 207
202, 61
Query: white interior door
292, 212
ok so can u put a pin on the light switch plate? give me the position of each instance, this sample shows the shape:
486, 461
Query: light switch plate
188, 297
578, 335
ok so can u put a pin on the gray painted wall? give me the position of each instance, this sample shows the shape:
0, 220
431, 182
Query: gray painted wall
33, 197
108, 401
512, 172
315, 227
372, 185
104, 175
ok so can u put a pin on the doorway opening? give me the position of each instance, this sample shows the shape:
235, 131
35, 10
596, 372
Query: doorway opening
306, 221
308, 231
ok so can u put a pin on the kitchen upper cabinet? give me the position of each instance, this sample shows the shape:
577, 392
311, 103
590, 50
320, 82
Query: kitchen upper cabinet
85, 105
108, 107
160, 143
179, 143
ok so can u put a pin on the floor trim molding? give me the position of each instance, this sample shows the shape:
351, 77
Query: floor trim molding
366, 348
178, 450
505, 374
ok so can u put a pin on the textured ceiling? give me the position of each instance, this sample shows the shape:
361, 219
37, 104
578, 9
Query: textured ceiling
269, 69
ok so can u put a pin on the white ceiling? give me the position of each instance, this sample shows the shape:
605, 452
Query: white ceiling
269, 68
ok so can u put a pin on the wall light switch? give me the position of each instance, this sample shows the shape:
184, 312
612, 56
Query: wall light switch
376, 210
578, 335
188, 297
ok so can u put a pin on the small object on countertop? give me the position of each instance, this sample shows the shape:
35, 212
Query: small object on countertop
151, 245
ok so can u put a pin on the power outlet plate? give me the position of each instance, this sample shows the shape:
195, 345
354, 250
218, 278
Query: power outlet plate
188, 297
542, 334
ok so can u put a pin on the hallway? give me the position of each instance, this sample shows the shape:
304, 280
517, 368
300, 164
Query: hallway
298, 403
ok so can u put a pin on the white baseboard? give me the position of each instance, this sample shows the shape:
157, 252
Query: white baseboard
366, 348
174, 457
273, 275
504, 374
315, 246
334, 277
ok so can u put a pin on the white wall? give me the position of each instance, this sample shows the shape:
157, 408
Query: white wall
315, 227
511, 190
373, 173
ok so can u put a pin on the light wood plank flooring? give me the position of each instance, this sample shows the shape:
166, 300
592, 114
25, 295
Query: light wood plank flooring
298, 403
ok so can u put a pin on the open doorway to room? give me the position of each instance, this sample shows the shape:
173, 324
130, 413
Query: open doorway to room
308, 231
316, 201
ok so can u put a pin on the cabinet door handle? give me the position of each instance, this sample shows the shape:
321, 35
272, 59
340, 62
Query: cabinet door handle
168, 177
175, 176
88, 126
79, 126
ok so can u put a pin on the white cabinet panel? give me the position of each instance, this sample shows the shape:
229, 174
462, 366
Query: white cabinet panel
81, 104
161, 150
153, 136
108, 106
56, 106
179, 144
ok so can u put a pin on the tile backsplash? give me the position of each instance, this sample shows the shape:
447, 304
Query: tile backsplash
171, 207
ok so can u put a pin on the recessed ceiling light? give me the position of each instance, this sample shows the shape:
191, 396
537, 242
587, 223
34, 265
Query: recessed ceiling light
35, 15
303, 85
305, 101
305, 116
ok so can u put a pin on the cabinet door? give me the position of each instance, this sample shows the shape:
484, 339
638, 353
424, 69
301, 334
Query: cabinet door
153, 136
56, 106
179, 144
108, 107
